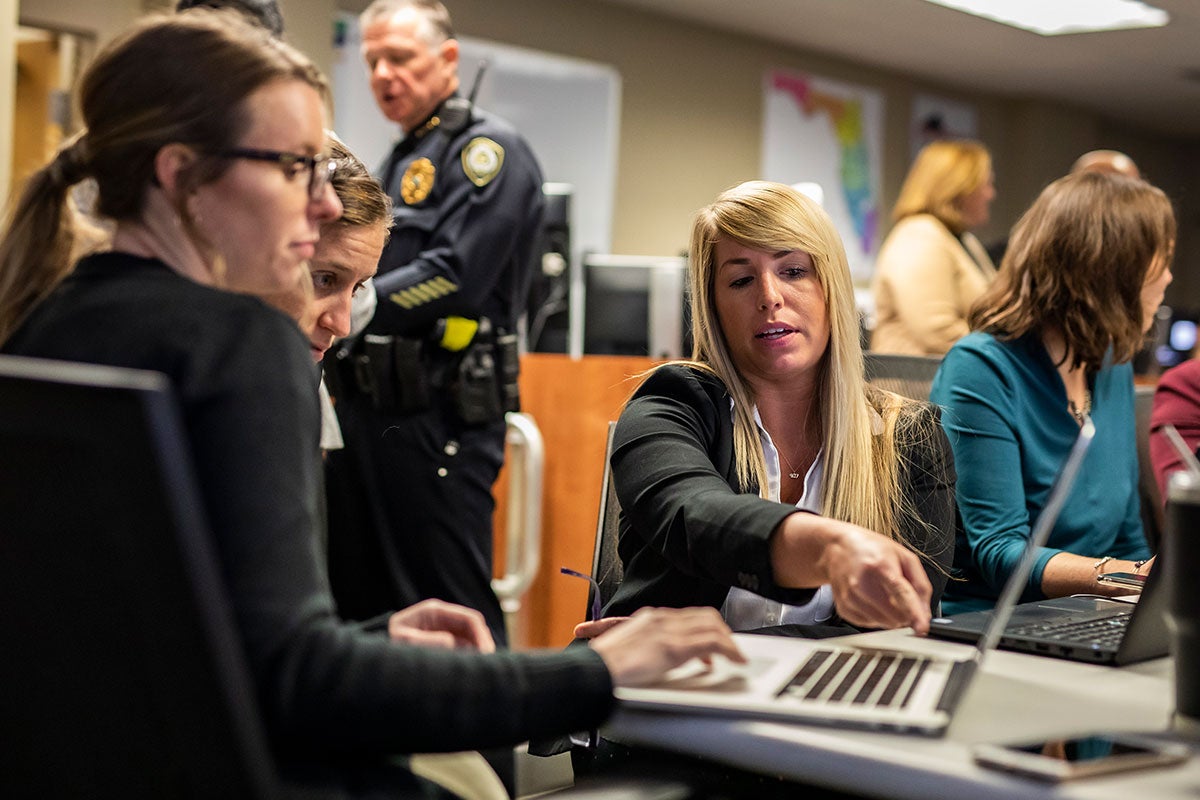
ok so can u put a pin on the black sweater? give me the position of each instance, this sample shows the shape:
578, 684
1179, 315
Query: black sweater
248, 394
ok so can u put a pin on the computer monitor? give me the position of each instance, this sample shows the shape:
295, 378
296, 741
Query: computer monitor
635, 305
548, 304
121, 674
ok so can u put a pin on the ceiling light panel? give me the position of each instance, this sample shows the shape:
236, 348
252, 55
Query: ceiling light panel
1055, 17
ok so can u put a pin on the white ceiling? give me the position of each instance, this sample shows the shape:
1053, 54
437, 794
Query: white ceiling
1140, 77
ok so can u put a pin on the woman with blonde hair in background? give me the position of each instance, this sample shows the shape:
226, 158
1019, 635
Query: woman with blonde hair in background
763, 477
931, 268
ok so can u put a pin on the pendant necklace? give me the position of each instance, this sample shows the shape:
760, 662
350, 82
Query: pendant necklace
792, 472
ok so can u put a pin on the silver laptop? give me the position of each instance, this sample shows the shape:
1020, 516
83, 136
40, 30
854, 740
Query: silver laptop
817, 681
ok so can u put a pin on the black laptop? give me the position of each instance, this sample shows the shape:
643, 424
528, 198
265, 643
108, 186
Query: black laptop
1080, 628
1091, 629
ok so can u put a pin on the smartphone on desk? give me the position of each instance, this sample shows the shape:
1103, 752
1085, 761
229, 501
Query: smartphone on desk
1080, 757
1130, 579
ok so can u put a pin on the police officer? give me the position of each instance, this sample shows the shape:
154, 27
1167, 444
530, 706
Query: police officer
421, 394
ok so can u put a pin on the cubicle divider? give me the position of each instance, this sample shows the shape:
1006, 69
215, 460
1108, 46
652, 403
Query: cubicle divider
572, 401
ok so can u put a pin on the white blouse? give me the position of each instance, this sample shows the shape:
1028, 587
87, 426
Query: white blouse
744, 610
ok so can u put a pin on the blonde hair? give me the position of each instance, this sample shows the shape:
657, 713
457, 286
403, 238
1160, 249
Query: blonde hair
943, 173
861, 471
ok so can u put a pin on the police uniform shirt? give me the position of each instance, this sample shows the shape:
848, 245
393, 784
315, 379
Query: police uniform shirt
467, 208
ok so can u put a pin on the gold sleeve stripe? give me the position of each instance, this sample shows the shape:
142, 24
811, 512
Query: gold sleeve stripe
424, 292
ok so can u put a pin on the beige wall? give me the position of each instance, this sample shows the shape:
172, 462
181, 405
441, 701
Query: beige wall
101, 19
691, 111
691, 119
308, 21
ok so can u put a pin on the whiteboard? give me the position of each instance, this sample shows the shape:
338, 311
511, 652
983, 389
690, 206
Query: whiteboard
566, 108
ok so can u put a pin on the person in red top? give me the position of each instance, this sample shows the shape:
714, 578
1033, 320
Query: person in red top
1176, 402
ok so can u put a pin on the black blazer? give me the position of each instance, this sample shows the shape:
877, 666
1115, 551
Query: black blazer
686, 533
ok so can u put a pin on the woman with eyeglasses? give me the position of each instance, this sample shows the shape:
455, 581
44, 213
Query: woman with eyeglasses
206, 139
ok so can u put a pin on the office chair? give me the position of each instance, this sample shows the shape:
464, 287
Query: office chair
909, 376
607, 573
122, 675
1151, 498
607, 569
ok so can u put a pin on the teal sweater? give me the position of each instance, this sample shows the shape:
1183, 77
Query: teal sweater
1005, 413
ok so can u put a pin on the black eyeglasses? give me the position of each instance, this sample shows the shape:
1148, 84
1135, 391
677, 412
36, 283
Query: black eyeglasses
320, 167
595, 615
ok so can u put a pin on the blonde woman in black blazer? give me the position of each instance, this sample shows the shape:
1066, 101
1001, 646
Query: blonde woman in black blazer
763, 477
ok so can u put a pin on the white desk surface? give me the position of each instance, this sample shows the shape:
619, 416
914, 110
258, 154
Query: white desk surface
1016, 697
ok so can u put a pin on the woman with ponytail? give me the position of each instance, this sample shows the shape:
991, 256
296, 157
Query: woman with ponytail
206, 139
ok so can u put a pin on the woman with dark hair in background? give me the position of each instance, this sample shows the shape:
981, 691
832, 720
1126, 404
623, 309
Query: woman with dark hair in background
262, 12
1085, 271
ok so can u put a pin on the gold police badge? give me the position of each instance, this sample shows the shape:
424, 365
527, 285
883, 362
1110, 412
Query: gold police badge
482, 159
417, 182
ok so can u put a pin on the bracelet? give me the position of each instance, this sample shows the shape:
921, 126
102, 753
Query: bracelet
1137, 565
1096, 567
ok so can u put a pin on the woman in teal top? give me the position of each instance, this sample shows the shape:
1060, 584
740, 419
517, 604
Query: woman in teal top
1054, 336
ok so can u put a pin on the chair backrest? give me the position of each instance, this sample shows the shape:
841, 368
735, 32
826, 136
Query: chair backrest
1151, 498
909, 376
121, 673
607, 569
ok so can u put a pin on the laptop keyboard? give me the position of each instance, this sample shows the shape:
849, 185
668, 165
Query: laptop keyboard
867, 678
1106, 632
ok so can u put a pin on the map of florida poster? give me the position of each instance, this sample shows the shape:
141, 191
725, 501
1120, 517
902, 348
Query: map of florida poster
829, 133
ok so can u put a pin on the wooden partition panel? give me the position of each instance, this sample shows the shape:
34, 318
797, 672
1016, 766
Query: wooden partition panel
572, 402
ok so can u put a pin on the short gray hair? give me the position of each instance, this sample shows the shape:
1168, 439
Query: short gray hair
437, 18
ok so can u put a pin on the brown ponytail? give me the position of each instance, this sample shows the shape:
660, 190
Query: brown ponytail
35, 253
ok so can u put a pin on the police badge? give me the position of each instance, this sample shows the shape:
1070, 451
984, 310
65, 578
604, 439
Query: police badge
482, 159
417, 182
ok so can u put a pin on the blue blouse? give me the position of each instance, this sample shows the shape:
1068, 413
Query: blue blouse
1005, 413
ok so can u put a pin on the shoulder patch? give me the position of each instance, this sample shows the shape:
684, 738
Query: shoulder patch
417, 182
482, 159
